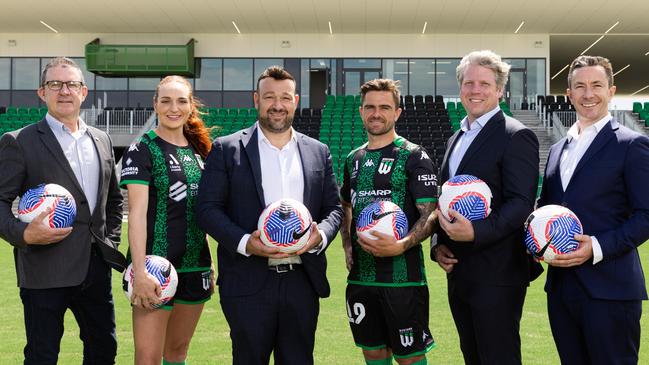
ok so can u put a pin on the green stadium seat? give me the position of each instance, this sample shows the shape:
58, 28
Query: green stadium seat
222, 111
637, 107
646, 107
244, 112
233, 111
330, 99
11, 110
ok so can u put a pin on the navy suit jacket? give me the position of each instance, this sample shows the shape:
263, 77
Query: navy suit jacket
505, 155
609, 192
231, 199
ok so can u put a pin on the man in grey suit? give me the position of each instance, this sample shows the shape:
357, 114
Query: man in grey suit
61, 268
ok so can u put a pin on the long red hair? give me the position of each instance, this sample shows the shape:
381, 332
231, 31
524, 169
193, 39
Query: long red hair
194, 129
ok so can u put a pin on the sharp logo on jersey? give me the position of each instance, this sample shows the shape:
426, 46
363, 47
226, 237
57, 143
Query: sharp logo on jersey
173, 163
385, 166
424, 156
178, 191
407, 337
369, 163
133, 147
365, 193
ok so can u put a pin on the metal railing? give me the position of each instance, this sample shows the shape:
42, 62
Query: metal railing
117, 121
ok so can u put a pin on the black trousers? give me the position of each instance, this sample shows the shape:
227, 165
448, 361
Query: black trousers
91, 303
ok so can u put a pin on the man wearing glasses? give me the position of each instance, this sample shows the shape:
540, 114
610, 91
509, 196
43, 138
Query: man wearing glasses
64, 268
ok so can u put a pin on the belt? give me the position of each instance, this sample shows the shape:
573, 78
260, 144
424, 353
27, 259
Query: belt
282, 268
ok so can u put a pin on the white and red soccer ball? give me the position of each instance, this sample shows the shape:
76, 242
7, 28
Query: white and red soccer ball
285, 224
384, 217
550, 231
162, 270
466, 194
36, 200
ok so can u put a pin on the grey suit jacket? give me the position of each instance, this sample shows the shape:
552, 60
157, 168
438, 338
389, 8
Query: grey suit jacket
32, 156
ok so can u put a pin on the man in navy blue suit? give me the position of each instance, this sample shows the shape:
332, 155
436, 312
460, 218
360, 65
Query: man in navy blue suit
270, 299
600, 171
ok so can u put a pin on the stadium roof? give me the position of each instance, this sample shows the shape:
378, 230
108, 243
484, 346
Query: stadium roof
572, 25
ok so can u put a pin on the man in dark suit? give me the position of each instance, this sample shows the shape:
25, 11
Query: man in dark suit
600, 171
270, 299
488, 269
61, 268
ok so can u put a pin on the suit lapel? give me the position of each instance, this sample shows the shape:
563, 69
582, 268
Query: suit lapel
483, 136
307, 162
249, 142
53, 145
554, 160
101, 152
449, 148
598, 143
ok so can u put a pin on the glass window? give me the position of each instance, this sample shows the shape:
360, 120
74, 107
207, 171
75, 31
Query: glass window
237, 74
334, 77
88, 76
110, 83
263, 63
143, 83
446, 82
5, 69
211, 76
305, 73
25, 74
397, 70
535, 79
361, 63
422, 77
320, 63
515, 62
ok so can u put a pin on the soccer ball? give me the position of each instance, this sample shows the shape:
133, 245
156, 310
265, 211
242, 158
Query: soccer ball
36, 200
550, 231
384, 217
285, 224
468, 195
161, 269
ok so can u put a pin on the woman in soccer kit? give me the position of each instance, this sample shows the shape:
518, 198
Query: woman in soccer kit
161, 172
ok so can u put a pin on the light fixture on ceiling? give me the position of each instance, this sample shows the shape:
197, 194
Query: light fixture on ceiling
600, 38
560, 71
519, 27
331, 31
235, 27
646, 53
622, 69
423, 31
49, 27
640, 90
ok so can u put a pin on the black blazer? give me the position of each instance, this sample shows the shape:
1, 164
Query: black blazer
32, 156
608, 192
230, 200
505, 155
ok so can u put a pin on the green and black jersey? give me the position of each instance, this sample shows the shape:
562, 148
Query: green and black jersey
402, 173
172, 174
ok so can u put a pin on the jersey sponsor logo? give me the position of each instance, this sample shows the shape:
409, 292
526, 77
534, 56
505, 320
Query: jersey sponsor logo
354, 170
199, 160
133, 147
178, 191
368, 163
355, 312
128, 161
428, 179
366, 193
424, 156
174, 165
132, 170
187, 159
353, 196
385, 166
406, 337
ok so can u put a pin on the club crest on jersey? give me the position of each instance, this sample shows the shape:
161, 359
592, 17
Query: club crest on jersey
385, 166
407, 337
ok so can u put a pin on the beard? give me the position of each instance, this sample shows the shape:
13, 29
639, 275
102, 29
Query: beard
276, 125
380, 129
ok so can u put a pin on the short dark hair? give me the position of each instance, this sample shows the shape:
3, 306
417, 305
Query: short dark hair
588, 61
389, 85
58, 61
276, 73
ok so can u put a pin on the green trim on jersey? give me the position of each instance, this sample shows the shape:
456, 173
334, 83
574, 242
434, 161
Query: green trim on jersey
180, 301
388, 285
426, 200
123, 183
194, 269
418, 353
161, 180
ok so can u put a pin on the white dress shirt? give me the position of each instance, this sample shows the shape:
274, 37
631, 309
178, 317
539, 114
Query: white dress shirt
577, 142
80, 152
469, 132
281, 177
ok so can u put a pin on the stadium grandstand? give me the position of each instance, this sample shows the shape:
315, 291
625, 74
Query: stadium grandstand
331, 48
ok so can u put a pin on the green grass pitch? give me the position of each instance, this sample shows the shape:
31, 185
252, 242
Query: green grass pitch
334, 345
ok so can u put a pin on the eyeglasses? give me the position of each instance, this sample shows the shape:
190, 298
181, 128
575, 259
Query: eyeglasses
56, 85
